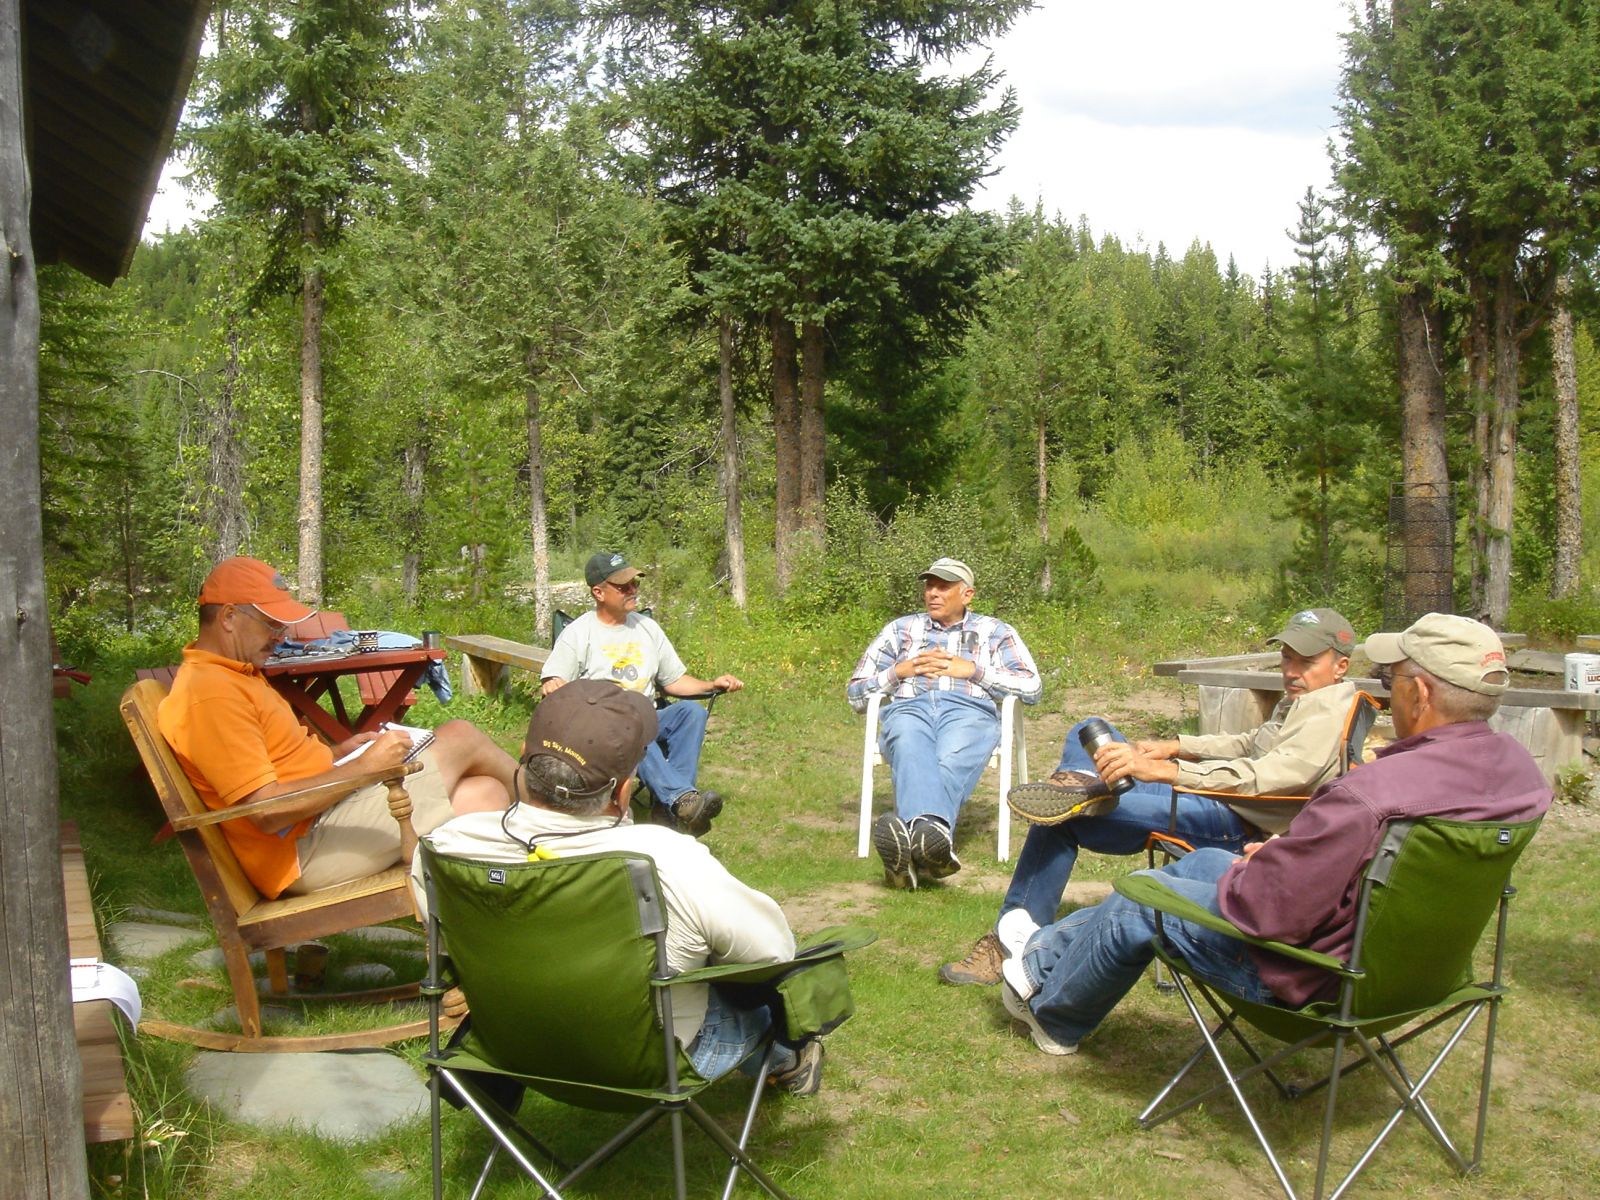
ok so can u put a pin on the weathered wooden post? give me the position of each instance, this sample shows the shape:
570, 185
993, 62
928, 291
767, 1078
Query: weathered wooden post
41, 1102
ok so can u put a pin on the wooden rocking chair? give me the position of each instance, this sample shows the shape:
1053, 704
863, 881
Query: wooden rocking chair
245, 920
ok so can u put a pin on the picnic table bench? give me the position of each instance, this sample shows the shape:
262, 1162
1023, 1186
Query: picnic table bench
1239, 691
487, 660
107, 1111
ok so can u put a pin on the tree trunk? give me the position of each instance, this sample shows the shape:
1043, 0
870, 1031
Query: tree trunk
309, 580
413, 473
1502, 463
813, 436
732, 476
41, 1133
1480, 396
1427, 526
538, 524
1569, 477
1041, 463
224, 477
786, 445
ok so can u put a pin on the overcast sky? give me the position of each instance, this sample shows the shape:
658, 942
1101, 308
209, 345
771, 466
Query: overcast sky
1159, 120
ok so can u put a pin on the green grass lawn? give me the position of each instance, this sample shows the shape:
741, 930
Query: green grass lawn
929, 1089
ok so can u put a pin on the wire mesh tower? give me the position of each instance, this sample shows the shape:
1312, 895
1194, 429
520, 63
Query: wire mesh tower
1419, 553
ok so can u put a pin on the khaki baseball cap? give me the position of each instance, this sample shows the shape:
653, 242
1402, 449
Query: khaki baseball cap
1455, 649
243, 580
952, 570
1313, 630
600, 729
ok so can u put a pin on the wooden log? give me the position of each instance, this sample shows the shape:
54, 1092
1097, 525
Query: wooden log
41, 1137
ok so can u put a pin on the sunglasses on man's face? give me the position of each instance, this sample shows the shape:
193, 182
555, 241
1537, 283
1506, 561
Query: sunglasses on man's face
627, 589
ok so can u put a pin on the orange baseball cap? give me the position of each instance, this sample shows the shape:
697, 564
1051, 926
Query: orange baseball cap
244, 580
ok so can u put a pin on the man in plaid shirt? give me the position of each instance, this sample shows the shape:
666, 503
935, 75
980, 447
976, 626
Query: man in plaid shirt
941, 672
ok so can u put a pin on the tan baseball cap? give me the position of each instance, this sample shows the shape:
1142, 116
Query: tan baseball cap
1313, 630
1455, 649
951, 570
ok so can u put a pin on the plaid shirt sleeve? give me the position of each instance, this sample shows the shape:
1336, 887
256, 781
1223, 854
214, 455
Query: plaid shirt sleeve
1006, 668
875, 671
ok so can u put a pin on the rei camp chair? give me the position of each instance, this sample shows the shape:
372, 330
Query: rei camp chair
563, 963
1424, 903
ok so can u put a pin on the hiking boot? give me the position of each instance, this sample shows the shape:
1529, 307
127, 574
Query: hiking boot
805, 1077
693, 812
1019, 1010
932, 849
980, 966
1065, 796
892, 840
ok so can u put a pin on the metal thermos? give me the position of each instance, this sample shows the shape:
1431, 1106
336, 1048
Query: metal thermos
1094, 734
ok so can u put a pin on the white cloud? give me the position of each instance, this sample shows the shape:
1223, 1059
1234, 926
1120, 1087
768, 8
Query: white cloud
1167, 121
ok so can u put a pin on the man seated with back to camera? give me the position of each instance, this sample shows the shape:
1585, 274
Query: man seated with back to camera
571, 796
1446, 675
1290, 753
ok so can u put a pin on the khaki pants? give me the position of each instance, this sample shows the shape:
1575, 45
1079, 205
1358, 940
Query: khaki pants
358, 836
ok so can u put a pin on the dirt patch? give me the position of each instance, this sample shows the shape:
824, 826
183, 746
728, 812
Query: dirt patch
841, 904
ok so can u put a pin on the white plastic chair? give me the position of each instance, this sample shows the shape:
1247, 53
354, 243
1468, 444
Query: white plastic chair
1012, 751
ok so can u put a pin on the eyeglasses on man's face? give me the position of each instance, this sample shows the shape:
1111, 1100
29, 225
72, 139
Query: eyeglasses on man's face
276, 628
627, 589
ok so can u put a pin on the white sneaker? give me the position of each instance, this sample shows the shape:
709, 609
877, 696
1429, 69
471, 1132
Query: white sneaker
1017, 1006
1014, 928
1014, 976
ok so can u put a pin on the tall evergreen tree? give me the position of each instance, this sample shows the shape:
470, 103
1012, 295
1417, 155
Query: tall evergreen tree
284, 132
816, 164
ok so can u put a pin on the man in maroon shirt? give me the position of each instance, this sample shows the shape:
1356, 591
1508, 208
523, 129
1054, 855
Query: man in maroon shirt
1446, 675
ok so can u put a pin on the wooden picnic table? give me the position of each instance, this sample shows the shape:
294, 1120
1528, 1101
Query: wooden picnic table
107, 1111
303, 680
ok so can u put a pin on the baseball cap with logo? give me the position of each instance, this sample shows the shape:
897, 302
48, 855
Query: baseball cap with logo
1313, 630
250, 581
1455, 649
952, 570
609, 567
598, 728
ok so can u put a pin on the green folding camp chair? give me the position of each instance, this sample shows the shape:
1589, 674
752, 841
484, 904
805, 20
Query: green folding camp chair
563, 964
1425, 901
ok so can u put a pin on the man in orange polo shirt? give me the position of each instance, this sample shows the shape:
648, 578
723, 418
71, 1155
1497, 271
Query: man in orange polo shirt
238, 740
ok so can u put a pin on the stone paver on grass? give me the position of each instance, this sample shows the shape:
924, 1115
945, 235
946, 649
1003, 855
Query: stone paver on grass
347, 1097
146, 939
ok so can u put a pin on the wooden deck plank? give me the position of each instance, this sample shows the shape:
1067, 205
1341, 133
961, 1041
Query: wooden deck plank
107, 1110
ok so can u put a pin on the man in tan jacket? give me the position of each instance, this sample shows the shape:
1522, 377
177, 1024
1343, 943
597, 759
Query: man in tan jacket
1293, 752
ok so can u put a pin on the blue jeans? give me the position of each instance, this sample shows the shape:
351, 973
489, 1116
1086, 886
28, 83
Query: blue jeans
671, 761
937, 745
1086, 962
1050, 851
730, 1035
